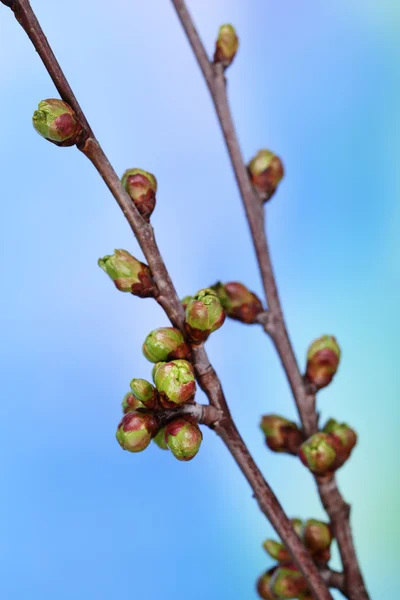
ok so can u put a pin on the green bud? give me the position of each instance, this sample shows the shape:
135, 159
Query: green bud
164, 344
185, 301
136, 430
318, 453
145, 392
57, 122
226, 46
130, 403
159, 439
175, 382
317, 535
281, 435
276, 550
345, 435
238, 302
142, 188
263, 585
322, 361
204, 314
183, 437
266, 171
128, 273
297, 526
288, 582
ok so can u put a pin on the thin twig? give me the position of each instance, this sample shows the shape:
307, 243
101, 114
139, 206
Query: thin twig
169, 300
333, 579
275, 324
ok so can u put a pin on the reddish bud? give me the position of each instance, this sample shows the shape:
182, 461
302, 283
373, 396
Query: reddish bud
164, 344
238, 301
288, 582
130, 403
317, 536
276, 550
281, 435
322, 361
142, 188
136, 430
183, 437
57, 122
175, 382
318, 453
204, 314
128, 273
266, 171
263, 585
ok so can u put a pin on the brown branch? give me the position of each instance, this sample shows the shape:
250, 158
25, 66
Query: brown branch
169, 300
333, 579
273, 321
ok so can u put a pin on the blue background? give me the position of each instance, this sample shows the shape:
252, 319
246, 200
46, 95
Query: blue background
315, 82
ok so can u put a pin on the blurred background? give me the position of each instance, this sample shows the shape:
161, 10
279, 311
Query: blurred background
315, 82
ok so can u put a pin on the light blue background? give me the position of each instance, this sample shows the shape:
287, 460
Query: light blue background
315, 82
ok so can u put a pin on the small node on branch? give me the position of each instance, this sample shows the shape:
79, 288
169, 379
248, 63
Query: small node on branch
281, 435
175, 382
266, 171
142, 188
136, 430
238, 301
323, 358
164, 344
57, 122
226, 46
204, 314
146, 393
183, 437
128, 274
130, 403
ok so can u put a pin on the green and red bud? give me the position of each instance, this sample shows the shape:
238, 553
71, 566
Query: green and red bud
318, 453
266, 171
226, 46
164, 344
317, 536
297, 526
183, 437
276, 550
145, 392
57, 122
238, 301
263, 585
281, 435
185, 301
322, 361
130, 403
287, 582
204, 314
128, 273
136, 430
345, 436
142, 188
175, 382
159, 439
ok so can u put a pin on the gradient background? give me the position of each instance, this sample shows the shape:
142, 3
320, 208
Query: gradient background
315, 81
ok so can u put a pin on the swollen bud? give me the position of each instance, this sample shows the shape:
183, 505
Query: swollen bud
130, 403
263, 585
322, 361
288, 582
204, 314
266, 171
226, 46
238, 301
159, 439
318, 453
175, 382
128, 273
317, 536
183, 437
136, 430
164, 344
345, 436
281, 435
142, 188
57, 122
276, 550
145, 393
185, 301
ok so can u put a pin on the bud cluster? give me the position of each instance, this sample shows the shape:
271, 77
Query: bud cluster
149, 408
326, 451
284, 579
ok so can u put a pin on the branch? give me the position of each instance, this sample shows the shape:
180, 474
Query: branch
334, 579
169, 300
273, 320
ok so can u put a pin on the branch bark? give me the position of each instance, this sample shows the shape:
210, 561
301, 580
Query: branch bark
274, 324
169, 300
